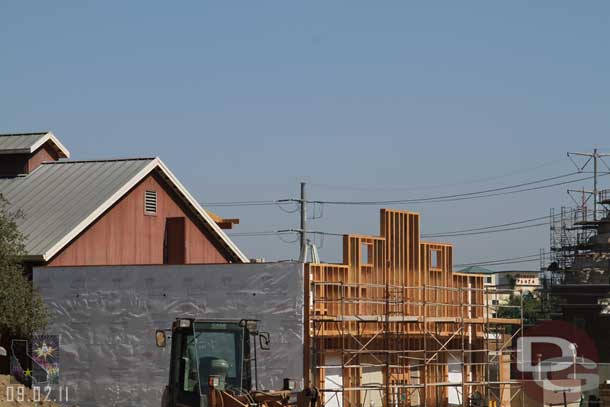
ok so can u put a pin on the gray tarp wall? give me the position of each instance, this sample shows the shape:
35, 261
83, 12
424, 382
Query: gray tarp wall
107, 316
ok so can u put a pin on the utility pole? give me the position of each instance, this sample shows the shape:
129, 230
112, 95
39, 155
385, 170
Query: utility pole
596, 157
303, 231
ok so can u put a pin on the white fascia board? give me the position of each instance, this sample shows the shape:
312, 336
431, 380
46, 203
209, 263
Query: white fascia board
100, 210
213, 225
54, 140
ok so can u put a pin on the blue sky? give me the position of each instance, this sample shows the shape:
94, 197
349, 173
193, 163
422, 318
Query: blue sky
245, 99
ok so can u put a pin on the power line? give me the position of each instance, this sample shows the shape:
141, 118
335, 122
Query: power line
500, 263
483, 232
495, 263
282, 232
295, 209
531, 257
323, 233
518, 222
317, 232
441, 198
596, 157
467, 195
239, 203
252, 234
474, 263
482, 229
403, 188
502, 227
285, 232
267, 233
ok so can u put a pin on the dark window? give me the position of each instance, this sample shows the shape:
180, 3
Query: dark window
174, 246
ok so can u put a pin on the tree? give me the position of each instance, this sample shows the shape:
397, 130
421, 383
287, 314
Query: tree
532, 308
22, 311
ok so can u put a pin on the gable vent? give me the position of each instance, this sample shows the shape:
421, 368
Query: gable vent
150, 202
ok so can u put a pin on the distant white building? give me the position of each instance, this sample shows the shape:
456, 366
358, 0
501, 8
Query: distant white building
505, 283
517, 280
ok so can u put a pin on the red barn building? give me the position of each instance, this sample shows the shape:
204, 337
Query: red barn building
105, 212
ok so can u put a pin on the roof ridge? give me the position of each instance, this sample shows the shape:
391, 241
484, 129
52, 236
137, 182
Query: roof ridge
37, 133
98, 160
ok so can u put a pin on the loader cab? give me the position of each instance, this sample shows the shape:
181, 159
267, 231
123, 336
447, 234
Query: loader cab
203, 350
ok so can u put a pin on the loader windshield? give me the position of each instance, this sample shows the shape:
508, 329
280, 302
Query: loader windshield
218, 348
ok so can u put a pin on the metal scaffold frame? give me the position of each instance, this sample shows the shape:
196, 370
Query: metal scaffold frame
413, 335
570, 232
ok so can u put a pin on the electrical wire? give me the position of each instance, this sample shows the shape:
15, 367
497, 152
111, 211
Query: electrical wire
467, 195
251, 234
279, 236
501, 263
493, 262
509, 189
239, 203
427, 187
476, 263
431, 235
518, 222
508, 260
279, 205
505, 259
317, 232
484, 232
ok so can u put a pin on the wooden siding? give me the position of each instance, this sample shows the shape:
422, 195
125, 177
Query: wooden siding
44, 153
126, 235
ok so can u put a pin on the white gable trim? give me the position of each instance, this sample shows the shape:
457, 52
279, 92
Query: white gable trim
213, 225
50, 136
46, 137
155, 163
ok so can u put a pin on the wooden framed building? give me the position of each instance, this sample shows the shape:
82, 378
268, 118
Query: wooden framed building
393, 325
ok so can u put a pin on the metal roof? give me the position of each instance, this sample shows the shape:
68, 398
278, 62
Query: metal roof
476, 270
24, 143
61, 199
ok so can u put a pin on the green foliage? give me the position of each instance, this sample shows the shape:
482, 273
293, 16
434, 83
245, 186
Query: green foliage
532, 308
22, 310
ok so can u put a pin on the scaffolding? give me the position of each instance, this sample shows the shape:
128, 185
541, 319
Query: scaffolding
393, 345
570, 232
572, 235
